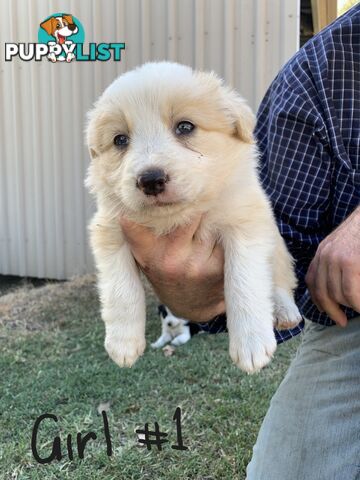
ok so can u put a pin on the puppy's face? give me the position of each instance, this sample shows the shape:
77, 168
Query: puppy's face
163, 137
168, 320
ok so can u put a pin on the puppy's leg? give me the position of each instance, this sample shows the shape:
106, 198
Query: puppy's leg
182, 338
121, 293
248, 298
162, 340
286, 313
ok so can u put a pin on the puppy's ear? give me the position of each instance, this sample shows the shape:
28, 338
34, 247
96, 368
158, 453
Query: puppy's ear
68, 18
93, 152
242, 116
162, 311
48, 25
90, 133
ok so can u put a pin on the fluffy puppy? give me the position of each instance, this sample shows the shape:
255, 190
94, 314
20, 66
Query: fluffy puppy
173, 329
168, 143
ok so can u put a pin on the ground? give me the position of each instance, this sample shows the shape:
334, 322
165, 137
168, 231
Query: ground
53, 361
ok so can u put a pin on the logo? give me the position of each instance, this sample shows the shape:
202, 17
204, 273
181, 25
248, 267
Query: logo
61, 39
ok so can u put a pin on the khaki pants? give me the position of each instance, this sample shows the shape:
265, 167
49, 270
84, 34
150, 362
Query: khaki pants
312, 428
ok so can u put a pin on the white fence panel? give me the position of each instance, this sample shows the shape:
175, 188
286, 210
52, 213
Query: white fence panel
44, 207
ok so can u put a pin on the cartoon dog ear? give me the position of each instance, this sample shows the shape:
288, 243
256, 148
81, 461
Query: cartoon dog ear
242, 115
68, 18
49, 26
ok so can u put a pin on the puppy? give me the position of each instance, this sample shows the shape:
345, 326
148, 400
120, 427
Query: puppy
61, 28
168, 143
174, 329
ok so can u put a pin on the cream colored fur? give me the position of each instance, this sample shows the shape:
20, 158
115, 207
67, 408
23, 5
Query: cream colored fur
214, 172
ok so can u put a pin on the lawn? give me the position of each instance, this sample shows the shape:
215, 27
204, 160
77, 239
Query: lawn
53, 361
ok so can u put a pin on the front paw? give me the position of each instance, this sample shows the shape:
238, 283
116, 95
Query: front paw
124, 350
253, 351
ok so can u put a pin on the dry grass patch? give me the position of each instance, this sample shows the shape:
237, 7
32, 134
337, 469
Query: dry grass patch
29, 308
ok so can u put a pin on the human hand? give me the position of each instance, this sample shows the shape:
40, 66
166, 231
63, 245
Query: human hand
333, 277
186, 274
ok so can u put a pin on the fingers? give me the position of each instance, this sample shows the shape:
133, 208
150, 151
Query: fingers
335, 285
317, 280
145, 244
136, 233
185, 233
215, 257
351, 288
141, 239
310, 280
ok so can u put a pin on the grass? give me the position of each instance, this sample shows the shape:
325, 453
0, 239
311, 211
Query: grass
53, 361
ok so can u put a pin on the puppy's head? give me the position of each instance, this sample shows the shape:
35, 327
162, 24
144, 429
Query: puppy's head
169, 320
164, 137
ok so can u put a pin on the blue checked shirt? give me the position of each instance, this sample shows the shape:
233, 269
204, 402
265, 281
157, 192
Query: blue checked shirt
308, 132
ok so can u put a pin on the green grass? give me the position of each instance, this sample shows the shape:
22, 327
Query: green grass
54, 362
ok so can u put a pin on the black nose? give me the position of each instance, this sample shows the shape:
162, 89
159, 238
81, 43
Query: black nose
72, 26
152, 182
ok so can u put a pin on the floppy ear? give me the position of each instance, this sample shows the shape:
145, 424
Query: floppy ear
69, 19
242, 115
48, 25
90, 132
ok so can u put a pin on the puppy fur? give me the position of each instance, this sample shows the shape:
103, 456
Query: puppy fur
211, 171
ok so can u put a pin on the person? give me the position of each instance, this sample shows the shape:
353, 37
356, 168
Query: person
308, 133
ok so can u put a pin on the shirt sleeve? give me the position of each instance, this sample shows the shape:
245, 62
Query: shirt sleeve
294, 161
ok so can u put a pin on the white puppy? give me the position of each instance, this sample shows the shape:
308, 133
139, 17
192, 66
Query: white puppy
173, 329
169, 143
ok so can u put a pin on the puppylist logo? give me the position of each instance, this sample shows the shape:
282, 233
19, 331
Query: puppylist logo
61, 39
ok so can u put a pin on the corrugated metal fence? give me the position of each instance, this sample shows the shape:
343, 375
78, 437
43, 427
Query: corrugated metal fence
44, 208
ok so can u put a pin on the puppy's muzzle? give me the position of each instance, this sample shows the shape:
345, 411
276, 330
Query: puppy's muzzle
72, 26
152, 182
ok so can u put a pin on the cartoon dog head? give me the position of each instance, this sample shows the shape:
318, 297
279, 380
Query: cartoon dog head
60, 27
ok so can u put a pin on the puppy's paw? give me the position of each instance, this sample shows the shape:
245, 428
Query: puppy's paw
178, 341
286, 313
252, 352
124, 351
157, 344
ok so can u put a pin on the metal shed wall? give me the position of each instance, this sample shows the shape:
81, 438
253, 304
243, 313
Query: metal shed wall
44, 207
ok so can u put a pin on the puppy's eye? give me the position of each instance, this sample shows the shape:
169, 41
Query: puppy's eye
121, 140
58, 25
184, 128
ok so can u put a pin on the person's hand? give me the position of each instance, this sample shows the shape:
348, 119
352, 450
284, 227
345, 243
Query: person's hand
333, 277
186, 274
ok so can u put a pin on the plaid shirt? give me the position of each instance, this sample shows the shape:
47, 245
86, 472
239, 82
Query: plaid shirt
308, 132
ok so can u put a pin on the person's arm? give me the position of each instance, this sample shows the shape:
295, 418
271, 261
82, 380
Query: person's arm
333, 277
188, 276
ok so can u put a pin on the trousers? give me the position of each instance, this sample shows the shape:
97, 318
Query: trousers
312, 428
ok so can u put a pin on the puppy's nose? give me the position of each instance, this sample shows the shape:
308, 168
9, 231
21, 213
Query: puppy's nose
72, 26
152, 182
